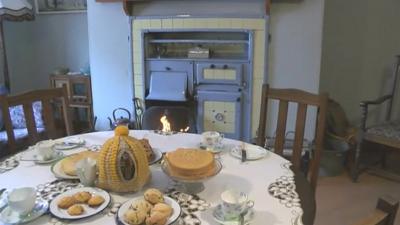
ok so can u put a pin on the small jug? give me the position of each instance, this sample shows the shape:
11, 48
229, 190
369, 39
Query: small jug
86, 171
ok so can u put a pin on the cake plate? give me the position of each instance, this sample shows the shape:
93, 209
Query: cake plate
191, 185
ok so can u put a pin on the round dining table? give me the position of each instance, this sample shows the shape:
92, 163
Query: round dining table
280, 196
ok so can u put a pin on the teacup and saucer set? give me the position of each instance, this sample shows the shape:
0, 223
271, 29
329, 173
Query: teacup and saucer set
21, 205
45, 153
212, 141
235, 208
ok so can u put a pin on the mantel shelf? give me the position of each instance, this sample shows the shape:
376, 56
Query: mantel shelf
129, 4
182, 41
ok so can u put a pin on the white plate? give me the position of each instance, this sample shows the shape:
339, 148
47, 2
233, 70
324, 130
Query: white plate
69, 143
58, 172
175, 207
9, 216
253, 152
157, 156
89, 211
218, 216
39, 160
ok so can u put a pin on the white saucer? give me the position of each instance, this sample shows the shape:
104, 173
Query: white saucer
9, 216
157, 156
216, 149
39, 160
218, 216
69, 143
253, 152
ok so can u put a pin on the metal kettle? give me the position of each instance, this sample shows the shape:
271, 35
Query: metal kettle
126, 121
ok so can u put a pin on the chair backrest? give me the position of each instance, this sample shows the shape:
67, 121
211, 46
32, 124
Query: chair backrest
180, 118
303, 100
55, 114
384, 214
392, 91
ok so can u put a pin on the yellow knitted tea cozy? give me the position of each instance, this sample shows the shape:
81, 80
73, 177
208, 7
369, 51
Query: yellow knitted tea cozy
122, 163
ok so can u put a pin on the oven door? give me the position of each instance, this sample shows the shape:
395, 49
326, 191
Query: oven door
220, 111
219, 73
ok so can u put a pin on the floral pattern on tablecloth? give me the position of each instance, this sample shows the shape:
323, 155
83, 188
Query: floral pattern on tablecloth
284, 189
9, 164
50, 190
190, 204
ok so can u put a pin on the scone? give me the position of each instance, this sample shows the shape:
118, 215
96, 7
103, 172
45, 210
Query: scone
156, 218
75, 210
134, 217
153, 196
141, 205
82, 197
95, 200
162, 208
66, 202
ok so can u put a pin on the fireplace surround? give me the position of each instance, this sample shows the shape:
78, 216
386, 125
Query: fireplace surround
223, 88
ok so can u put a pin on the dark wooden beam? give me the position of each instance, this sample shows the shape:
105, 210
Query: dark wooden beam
267, 7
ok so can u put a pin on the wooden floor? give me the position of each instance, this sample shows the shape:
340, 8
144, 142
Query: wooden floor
342, 202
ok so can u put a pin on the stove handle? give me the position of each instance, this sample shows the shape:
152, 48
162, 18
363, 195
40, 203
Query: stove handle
244, 84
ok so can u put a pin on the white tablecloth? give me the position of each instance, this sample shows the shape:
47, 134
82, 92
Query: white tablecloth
253, 177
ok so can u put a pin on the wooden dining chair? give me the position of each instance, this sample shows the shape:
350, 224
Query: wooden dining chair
54, 115
303, 100
384, 214
383, 135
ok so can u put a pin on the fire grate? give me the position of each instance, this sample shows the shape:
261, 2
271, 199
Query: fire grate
168, 120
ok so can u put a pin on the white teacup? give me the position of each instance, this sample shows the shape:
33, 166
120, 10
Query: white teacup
234, 203
212, 139
45, 149
22, 200
86, 171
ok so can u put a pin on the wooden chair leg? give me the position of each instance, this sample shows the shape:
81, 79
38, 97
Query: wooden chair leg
355, 170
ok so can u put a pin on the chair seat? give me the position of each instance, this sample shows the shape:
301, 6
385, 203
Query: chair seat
388, 134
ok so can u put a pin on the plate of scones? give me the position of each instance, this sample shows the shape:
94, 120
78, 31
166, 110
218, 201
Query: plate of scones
153, 208
79, 203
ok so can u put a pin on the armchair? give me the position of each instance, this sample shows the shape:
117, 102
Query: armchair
386, 134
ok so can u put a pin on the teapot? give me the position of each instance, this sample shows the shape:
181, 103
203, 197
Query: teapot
126, 121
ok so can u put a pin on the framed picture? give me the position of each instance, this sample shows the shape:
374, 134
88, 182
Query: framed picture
60, 6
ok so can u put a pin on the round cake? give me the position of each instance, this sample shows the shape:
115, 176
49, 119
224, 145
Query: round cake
190, 163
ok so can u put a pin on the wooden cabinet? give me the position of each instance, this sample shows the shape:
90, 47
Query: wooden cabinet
79, 89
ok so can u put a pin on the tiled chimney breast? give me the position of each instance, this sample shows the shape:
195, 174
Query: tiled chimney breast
258, 26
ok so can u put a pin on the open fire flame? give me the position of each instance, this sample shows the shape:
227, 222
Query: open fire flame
166, 126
